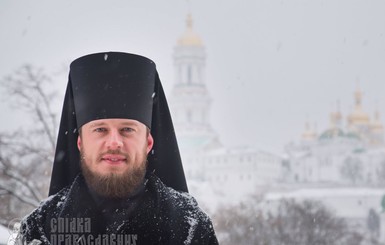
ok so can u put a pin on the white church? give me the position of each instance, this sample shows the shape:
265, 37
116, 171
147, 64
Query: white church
343, 167
344, 154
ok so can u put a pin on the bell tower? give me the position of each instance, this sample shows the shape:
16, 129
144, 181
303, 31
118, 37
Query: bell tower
190, 100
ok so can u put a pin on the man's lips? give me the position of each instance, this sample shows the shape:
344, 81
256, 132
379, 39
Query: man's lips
114, 159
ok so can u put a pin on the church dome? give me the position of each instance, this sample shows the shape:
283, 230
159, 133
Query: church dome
358, 116
338, 133
332, 133
353, 135
190, 38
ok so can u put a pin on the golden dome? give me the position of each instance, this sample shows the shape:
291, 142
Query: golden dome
358, 116
190, 38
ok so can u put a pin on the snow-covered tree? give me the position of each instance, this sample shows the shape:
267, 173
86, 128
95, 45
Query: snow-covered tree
26, 153
373, 222
352, 169
292, 223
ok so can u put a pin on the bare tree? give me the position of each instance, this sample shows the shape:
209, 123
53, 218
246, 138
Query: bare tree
373, 223
26, 154
292, 223
352, 170
309, 222
242, 224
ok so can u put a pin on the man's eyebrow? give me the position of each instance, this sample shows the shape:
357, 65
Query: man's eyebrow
97, 124
130, 124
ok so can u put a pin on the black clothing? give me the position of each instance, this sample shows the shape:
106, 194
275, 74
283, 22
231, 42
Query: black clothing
155, 214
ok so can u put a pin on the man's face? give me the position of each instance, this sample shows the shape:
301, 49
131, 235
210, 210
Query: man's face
113, 155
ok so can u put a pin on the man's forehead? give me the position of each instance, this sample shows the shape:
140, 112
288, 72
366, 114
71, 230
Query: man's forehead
114, 121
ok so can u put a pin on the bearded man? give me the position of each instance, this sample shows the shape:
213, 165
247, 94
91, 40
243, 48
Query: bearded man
117, 176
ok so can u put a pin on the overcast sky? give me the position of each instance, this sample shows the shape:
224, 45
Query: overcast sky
271, 65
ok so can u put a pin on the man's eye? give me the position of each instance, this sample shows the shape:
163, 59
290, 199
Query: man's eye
100, 130
127, 129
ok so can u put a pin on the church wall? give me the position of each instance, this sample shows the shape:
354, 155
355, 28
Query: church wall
328, 168
250, 168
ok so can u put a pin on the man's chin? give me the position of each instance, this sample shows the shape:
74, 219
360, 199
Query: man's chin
109, 175
114, 183
108, 170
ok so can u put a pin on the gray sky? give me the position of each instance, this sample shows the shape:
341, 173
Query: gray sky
271, 65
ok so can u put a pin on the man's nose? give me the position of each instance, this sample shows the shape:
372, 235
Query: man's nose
114, 140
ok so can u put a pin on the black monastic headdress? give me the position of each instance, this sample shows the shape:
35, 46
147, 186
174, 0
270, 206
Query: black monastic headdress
116, 85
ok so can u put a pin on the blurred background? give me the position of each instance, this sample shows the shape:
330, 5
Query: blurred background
278, 106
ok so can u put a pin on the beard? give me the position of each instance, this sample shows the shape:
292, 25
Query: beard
115, 185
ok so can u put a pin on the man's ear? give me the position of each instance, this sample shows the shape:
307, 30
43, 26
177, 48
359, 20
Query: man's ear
79, 142
150, 143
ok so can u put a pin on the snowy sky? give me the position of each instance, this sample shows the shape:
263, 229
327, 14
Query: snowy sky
271, 64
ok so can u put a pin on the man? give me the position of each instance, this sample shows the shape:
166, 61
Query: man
117, 176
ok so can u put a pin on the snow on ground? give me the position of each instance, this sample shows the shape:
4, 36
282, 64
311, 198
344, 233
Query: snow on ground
211, 197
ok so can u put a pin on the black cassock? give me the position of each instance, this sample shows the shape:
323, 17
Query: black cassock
155, 214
